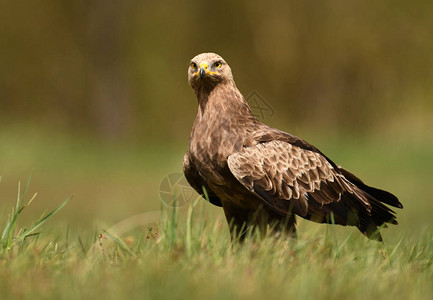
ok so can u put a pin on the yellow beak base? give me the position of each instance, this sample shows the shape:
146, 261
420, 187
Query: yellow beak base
204, 70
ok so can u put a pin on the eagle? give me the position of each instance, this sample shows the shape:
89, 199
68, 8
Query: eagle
263, 177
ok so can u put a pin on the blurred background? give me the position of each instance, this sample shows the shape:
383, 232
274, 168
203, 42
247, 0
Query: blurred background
94, 98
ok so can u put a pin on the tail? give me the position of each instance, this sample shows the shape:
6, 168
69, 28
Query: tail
380, 214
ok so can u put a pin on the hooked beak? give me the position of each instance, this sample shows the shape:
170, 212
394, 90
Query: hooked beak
204, 70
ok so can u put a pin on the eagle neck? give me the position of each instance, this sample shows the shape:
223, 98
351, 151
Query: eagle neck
222, 98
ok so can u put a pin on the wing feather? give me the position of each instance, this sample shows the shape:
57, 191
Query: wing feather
278, 171
196, 181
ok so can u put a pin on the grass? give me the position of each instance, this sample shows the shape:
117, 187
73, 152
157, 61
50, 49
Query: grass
190, 256
10, 238
149, 253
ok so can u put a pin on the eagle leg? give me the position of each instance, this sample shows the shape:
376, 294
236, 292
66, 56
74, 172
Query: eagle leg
243, 223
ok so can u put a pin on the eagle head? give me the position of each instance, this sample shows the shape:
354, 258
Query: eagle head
208, 70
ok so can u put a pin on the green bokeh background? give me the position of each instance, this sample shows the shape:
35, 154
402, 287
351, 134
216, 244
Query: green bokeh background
94, 96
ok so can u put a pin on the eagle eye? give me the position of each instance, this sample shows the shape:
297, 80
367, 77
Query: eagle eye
193, 65
218, 64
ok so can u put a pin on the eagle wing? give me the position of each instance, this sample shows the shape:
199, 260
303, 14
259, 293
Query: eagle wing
196, 181
289, 178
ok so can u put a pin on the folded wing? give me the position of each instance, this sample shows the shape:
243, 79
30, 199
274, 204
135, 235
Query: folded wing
289, 178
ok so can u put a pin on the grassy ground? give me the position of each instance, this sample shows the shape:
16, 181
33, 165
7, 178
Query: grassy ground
190, 257
115, 240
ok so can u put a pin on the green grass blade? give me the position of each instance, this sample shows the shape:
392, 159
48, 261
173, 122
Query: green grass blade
189, 227
7, 235
119, 242
23, 195
43, 219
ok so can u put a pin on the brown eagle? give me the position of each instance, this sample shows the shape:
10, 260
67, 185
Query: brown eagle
261, 175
